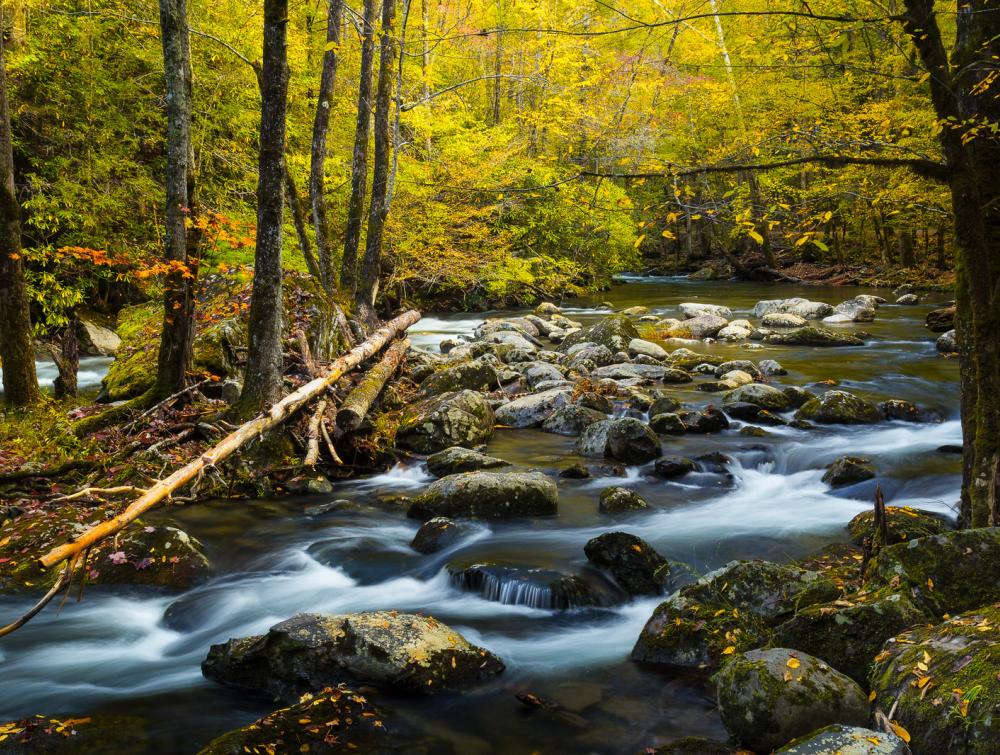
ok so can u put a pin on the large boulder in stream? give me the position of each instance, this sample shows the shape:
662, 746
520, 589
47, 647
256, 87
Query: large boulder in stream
477, 375
940, 320
810, 310
310, 652
813, 336
457, 459
626, 439
620, 500
571, 420
487, 495
730, 609
848, 470
533, 409
614, 332
462, 418
768, 697
902, 522
942, 684
839, 408
764, 396
633, 562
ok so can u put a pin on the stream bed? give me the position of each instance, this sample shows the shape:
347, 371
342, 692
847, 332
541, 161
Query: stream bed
140, 654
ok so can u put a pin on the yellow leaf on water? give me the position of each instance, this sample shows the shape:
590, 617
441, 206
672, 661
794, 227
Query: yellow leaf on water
900, 731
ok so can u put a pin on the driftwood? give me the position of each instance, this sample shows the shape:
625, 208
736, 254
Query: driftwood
163, 489
355, 407
312, 449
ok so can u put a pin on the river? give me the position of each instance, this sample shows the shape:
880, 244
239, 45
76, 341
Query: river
139, 654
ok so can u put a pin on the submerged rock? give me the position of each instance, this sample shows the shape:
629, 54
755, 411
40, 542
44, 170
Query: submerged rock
942, 684
310, 652
457, 459
672, 467
618, 500
487, 495
848, 470
463, 418
768, 697
839, 407
845, 740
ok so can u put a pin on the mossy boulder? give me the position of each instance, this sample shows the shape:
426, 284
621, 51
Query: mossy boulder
943, 685
634, 563
672, 467
732, 608
333, 720
487, 495
848, 633
848, 470
476, 375
813, 336
457, 459
571, 420
533, 409
769, 697
632, 441
903, 523
463, 418
143, 554
846, 740
947, 573
79, 735
666, 423
619, 500
614, 332
839, 408
436, 534
310, 652
758, 394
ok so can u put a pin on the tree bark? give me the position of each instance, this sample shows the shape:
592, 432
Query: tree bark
299, 221
359, 161
20, 383
177, 338
368, 290
66, 355
321, 126
275, 415
262, 379
964, 98
355, 407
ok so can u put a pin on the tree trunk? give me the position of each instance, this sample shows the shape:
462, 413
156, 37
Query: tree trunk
177, 338
17, 355
962, 94
321, 126
497, 67
368, 290
359, 161
67, 358
299, 221
262, 379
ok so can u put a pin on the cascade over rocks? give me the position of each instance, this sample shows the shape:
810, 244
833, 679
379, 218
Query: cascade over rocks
535, 588
310, 652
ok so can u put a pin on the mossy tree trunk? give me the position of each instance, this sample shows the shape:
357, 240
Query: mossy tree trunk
20, 383
262, 379
966, 100
180, 249
379, 210
355, 407
359, 160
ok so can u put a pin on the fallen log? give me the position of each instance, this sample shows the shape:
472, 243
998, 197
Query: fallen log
278, 413
355, 407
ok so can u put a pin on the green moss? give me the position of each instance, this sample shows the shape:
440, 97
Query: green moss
904, 523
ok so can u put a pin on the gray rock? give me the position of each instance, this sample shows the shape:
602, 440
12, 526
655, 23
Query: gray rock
630, 371
744, 365
846, 740
759, 394
532, 410
96, 340
591, 352
782, 320
638, 346
798, 396
311, 652
908, 299
813, 336
437, 534
547, 309
667, 423
477, 375
690, 310
463, 418
571, 420
769, 367
619, 500
593, 443
769, 697
672, 467
947, 343
536, 373
710, 420
848, 470
633, 562
615, 332
457, 459
632, 441
810, 310
487, 495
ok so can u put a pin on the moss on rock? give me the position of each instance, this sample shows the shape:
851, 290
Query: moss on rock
904, 524
463, 418
839, 407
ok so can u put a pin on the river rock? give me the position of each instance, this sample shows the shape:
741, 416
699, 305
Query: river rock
813, 336
571, 420
858, 309
614, 332
533, 409
535, 588
702, 326
632, 441
782, 320
907, 299
848, 470
310, 652
96, 340
768, 697
477, 375
672, 467
743, 365
845, 740
513, 339
940, 320
547, 309
457, 459
896, 409
810, 310
333, 720
663, 404
463, 418
590, 352
693, 628
838, 319
798, 396
690, 310
487, 495
633, 562
437, 534
849, 632
639, 346
902, 522
596, 401
536, 373
593, 442
619, 500
711, 420
947, 343
946, 573
667, 423
839, 408
626, 371
957, 710
735, 331
764, 396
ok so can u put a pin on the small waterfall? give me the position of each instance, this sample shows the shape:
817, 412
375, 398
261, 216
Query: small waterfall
534, 588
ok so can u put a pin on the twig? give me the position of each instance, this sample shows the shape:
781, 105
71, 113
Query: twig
98, 492
167, 400
329, 445
312, 452
46, 599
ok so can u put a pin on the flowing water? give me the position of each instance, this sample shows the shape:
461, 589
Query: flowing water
140, 654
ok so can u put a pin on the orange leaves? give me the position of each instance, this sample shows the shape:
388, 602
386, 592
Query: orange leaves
900, 731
